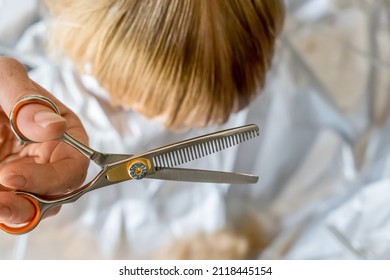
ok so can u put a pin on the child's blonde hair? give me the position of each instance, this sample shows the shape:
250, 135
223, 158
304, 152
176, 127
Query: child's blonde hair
192, 62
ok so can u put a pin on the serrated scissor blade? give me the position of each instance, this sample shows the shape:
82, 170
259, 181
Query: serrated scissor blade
191, 149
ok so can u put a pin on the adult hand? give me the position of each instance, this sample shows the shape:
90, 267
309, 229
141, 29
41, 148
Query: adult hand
47, 168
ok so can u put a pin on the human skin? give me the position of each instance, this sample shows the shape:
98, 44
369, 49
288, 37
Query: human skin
46, 168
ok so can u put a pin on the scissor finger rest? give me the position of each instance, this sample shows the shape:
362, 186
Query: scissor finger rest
31, 224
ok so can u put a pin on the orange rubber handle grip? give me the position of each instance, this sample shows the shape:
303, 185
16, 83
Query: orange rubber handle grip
30, 225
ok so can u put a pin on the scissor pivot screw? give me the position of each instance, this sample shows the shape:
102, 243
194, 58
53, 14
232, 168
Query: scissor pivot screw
137, 170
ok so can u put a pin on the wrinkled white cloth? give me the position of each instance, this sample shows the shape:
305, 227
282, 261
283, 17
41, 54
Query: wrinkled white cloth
323, 153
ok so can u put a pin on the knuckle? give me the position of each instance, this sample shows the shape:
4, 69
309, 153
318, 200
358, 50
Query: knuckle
9, 62
14, 82
11, 71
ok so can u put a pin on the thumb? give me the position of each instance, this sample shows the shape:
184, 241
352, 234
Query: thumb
36, 122
39, 123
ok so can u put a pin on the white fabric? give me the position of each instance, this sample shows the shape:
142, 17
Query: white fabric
323, 155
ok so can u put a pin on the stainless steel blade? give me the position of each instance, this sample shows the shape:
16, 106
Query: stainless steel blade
203, 176
191, 149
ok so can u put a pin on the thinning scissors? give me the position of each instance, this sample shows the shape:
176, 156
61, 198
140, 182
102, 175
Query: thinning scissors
154, 164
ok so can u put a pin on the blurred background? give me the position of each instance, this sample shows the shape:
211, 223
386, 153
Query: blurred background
324, 152
334, 55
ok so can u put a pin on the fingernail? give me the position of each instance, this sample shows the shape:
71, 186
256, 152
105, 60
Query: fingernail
13, 180
46, 118
5, 213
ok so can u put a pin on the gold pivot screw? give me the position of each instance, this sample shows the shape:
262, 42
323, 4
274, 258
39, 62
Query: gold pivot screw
138, 169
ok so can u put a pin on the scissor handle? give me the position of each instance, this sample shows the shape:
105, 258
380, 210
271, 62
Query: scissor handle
42, 100
29, 99
31, 224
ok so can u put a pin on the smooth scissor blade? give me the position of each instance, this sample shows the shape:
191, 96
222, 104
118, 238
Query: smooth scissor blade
203, 176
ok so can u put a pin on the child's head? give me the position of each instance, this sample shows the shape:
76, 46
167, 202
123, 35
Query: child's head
186, 62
